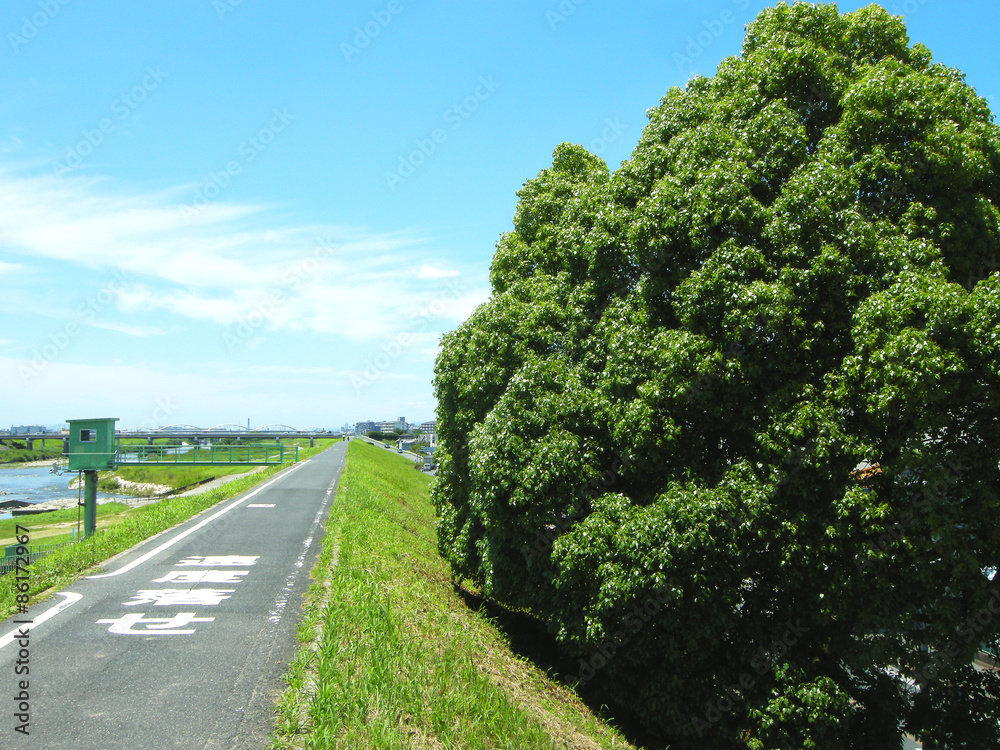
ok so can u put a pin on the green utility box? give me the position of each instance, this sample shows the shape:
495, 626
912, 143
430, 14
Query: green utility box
91, 444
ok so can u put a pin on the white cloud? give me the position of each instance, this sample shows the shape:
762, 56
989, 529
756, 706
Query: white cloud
466, 303
427, 271
150, 395
225, 266
266, 297
128, 330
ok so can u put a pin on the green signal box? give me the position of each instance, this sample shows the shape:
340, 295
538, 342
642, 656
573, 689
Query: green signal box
91, 444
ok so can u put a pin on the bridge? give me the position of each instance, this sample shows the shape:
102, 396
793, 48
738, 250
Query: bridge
277, 432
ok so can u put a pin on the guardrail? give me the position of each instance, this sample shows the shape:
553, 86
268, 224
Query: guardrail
243, 455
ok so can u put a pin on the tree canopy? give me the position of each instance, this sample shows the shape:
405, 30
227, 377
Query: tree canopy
729, 421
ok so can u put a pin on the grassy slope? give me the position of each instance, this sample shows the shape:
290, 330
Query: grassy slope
166, 475
393, 656
55, 526
14, 452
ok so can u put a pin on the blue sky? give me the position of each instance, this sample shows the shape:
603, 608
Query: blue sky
214, 211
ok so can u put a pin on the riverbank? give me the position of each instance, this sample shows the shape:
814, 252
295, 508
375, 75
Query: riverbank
30, 464
126, 487
144, 493
15, 455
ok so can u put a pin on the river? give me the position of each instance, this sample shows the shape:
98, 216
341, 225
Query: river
35, 484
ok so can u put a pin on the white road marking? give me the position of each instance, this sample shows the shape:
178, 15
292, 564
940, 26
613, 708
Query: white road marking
125, 625
69, 601
179, 597
218, 561
261, 505
166, 545
274, 616
203, 576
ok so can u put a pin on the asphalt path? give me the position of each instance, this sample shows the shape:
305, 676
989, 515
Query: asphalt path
181, 641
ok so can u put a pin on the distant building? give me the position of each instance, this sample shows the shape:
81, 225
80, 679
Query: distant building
399, 426
27, 429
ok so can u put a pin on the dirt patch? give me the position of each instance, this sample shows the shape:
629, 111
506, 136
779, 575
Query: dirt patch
131, 488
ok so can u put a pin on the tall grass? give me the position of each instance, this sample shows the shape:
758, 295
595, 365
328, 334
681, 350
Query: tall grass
393, 658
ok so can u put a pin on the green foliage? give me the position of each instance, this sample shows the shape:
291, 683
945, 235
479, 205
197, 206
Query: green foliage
683, 362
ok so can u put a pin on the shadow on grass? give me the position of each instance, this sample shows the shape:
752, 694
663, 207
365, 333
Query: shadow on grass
530, 639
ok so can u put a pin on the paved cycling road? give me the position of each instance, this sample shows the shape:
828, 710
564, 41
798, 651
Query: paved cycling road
179, 642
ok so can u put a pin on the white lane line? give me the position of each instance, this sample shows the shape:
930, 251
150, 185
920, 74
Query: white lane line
261, 505
69, 601
274, 616
166, 545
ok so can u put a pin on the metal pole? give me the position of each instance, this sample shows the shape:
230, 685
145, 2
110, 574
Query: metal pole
79, 501
89, 503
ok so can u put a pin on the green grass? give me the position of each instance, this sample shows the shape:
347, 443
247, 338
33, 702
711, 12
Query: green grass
17, 453
392, 657
166, 475
56, 516
51, 527
131, 527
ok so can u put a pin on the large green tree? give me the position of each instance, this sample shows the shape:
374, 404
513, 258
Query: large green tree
650, 435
